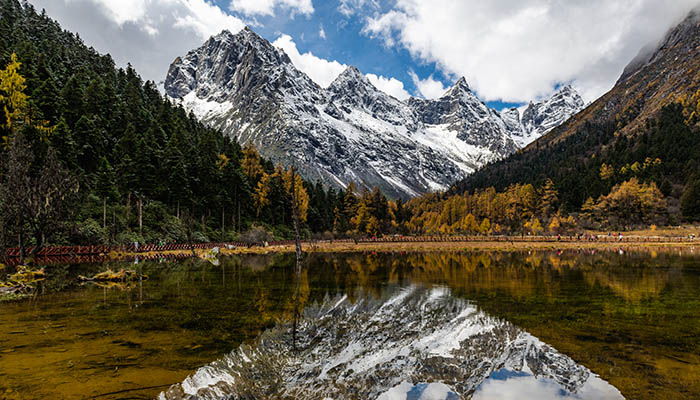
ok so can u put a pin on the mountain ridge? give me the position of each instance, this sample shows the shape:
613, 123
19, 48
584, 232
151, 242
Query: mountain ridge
350, 131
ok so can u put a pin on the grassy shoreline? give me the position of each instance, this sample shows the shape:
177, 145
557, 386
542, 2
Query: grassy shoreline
486, 245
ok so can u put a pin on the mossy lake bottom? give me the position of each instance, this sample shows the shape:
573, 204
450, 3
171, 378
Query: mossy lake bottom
626, 324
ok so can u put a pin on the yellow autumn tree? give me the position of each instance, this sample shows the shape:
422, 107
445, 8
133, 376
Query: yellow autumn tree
606, 172
550, 198
299, 192
15, 103
485, 227
632, 202
251, 163
534, 226
222, 161
262, 192
555, 225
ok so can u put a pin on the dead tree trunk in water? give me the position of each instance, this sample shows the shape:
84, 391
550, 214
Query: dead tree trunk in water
297, 238
140, 215
295, 214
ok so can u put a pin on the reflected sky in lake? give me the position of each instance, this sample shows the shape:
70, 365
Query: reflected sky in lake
505, 384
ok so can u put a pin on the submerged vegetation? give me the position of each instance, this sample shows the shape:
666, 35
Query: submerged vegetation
629, 317
21, 284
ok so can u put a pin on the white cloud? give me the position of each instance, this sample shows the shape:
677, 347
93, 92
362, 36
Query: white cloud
122, 11
350, 7
429, 87
516, 50
267, 7
322, 33
318, 69
391, 86
323, 72
205, 19
147, 33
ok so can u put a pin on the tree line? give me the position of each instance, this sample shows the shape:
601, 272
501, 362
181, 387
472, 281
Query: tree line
90, 153
593, 160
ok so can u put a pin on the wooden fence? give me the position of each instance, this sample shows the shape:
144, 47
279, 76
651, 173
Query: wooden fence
63, 254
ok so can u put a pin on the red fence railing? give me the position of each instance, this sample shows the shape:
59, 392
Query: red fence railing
92, 251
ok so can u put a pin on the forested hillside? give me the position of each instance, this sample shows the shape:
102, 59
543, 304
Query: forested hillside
92, 154
645, 128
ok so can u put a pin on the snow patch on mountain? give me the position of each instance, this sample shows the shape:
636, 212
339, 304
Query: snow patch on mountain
350, 131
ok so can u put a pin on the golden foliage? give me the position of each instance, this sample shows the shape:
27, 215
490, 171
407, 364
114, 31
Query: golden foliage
262, 192
251, 163
15, 102
297, 191
222, 161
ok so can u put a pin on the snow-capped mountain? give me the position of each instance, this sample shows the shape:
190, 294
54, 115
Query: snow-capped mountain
350, 131
413, 340
540, 118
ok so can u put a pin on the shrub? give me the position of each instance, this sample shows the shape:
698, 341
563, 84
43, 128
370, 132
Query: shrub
91, 232
256, 234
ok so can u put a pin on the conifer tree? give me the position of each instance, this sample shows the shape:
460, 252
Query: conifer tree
104, 185
690, 200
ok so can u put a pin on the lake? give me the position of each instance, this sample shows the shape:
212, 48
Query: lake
438, 325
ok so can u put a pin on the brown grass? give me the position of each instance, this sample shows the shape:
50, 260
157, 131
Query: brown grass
486, 245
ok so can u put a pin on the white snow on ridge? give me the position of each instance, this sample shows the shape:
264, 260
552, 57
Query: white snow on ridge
203, 108
351, 130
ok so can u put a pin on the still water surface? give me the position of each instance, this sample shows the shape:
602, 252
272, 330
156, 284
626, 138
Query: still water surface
411, 326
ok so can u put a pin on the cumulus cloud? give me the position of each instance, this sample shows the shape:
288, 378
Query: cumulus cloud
391, 86
350, 7
514, 50
323, 71
148, 34
322, 33
318, 69
429, 87
267, 7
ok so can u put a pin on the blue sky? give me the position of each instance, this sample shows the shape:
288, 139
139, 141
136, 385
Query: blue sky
510, 51
346, 43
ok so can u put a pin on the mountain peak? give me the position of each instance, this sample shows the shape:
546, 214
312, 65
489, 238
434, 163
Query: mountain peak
352, 78
460, 87
567, 89
353, 73
462, 82
541, 117
240, 83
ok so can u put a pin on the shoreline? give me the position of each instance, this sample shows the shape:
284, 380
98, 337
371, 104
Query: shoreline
203, 250
445, 246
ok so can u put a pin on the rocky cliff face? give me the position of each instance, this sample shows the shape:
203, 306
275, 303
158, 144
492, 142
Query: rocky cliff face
540, 118
350, 131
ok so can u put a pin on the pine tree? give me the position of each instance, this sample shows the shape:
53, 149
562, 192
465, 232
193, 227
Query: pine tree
550, 198
105, 181
690, 200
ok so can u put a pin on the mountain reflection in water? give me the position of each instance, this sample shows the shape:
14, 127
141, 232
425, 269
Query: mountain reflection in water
413, 342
